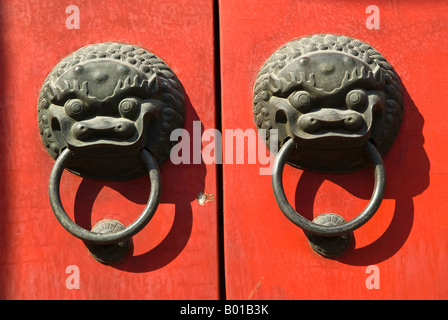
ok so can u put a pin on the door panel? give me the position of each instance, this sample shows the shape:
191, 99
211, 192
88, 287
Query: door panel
401, 252
175, 256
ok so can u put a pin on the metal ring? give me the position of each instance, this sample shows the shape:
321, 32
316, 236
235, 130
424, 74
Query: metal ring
337, 230
108, 238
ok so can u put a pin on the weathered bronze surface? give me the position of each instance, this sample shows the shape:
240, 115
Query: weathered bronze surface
105, 102
337, 106
330, 94
107, 111
109, 253
330, 247
328, 230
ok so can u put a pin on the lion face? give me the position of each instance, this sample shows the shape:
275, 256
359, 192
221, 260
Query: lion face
106, 102
330, 94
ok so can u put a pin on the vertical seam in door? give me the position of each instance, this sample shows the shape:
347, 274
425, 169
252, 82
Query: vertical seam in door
219, 175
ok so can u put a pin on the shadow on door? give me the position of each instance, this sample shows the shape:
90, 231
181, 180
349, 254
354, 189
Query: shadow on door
404, 180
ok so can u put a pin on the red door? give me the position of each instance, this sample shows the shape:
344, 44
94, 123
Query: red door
401, 253
175, 256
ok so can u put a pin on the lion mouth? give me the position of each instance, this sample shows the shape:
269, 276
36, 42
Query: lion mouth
327, 120
332, 129
109, 134
104, 128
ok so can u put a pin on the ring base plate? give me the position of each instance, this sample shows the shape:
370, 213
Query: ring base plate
330, 247
109, 253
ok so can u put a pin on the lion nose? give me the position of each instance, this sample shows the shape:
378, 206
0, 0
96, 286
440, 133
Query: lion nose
331, 119
104, 127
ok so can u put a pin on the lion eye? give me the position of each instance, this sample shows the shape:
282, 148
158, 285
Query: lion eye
301, 100
129, 107
356, 100
75, 108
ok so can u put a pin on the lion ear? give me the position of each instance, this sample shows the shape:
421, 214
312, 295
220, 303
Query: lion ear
50, 92
274, 83
378, 75
153, 85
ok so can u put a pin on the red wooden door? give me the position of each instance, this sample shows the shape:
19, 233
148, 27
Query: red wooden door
175, 256
401, 253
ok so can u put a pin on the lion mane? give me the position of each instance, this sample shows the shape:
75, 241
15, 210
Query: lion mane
167, 88
268, 81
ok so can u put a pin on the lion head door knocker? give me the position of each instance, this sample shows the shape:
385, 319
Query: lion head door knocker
337, 106
106, 111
